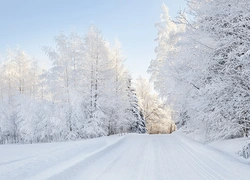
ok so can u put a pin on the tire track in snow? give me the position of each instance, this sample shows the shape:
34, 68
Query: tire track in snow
196, 163
133, 161
95, 164
170, 164
184, 166
129, 158
113, 163
212, 171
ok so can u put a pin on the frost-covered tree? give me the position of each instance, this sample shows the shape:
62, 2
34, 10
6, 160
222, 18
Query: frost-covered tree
20, 84
166, 40
63, 77
65, 58
168, 70
117, 122
100, 76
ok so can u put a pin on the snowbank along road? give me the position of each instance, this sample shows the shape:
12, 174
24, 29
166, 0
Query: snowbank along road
131, 157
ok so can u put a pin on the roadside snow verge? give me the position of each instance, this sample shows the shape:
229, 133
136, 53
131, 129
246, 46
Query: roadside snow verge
237, 148
68, 164
41, 161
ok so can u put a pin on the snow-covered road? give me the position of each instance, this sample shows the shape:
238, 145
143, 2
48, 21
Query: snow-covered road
131, 157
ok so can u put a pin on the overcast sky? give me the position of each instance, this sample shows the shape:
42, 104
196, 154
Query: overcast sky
34, 23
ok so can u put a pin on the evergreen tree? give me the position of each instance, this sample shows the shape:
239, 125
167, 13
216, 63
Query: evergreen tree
135, 114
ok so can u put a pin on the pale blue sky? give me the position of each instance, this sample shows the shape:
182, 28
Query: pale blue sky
34, 23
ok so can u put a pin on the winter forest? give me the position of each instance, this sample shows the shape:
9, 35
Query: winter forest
202, 68
86, 93
199, 82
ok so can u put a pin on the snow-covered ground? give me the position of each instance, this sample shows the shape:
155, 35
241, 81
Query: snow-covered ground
232, 147
152, 157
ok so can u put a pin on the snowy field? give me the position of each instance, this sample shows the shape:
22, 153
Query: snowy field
152, 157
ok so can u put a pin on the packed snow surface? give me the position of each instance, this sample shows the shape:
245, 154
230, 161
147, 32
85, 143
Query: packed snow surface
137, 157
